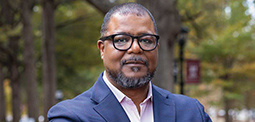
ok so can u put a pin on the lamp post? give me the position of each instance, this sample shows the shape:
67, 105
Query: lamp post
59, 95
182, 40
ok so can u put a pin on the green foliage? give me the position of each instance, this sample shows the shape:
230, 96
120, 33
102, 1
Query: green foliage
77, 57
222, 38
78, 60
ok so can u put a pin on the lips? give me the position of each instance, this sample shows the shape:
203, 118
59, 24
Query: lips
135, 62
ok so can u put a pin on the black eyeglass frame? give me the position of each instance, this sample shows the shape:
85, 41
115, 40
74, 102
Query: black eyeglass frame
133, 38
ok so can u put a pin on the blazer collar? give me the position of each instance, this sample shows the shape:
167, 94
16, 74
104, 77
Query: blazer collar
107, 104
163, 105
111, 110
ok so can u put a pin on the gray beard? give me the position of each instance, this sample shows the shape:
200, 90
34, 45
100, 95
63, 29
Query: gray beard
129, 82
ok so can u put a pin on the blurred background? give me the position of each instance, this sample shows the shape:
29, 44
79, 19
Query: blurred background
48, 53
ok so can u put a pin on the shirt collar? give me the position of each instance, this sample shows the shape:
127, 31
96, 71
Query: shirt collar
119, 95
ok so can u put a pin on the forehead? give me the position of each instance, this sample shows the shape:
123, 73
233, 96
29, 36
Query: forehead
130, 23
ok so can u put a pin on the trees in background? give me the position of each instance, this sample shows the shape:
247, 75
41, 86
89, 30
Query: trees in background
10, 50
222, 37
48, 54
2, 97
14, 73
12, 20
30, 71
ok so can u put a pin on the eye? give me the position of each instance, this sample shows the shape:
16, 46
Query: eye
146, 41
120, 40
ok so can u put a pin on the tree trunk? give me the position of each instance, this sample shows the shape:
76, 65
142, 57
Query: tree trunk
2, 97
29, 60
227, 107
48, 55
14, 77
168, 22
9, 19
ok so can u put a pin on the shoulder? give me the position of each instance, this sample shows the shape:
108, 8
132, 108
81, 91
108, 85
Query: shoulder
72, 110
186, 108
190, 108
62, 112
80, 108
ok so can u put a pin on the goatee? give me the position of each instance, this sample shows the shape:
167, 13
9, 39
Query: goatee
130, 82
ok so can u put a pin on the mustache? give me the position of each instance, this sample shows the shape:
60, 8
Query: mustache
124, 61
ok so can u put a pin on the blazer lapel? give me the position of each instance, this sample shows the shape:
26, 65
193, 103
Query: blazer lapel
107, 104
163, 106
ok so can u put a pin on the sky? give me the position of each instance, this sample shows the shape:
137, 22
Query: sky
251, 9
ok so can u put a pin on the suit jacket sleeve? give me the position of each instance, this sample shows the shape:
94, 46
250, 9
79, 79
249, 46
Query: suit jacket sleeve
59, 113
204, 115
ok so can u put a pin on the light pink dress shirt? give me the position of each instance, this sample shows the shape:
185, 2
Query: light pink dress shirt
146, 107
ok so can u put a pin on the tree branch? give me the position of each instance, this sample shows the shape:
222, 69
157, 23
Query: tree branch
188, 17
69, 22
102, 5
60, 2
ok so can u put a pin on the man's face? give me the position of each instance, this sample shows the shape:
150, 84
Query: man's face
133, 63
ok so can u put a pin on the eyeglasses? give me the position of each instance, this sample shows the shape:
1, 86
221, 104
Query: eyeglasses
123, 42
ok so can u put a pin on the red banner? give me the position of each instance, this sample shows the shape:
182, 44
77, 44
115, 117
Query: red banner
192, 71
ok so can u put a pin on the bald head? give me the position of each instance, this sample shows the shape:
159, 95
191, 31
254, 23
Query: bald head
126, 9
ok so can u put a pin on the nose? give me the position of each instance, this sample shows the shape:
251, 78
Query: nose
135, 48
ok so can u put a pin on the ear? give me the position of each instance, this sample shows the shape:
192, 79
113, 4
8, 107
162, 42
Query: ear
100, 46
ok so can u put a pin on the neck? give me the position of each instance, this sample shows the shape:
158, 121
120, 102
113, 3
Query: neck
137, 95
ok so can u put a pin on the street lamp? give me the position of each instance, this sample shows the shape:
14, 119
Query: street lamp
182, 40
59, 95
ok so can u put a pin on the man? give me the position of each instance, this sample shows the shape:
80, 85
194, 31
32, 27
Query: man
124, 92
